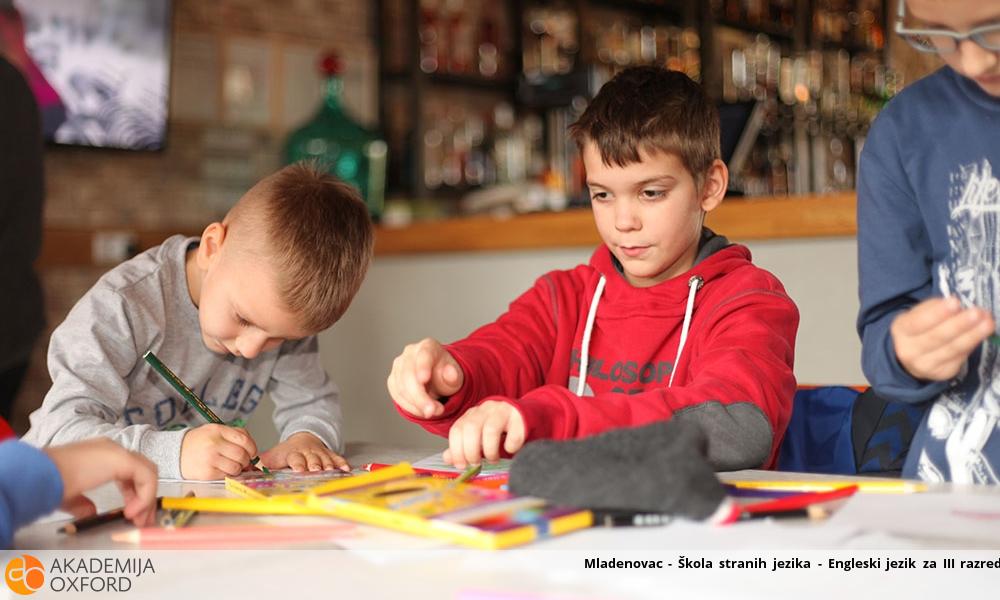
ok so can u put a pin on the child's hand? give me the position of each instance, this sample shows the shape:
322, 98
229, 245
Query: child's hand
86, 465
934, 338
214, 451
477, 433
424, 372
303, 451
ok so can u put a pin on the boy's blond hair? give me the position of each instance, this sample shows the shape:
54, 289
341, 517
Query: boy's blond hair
317, 235
651, 108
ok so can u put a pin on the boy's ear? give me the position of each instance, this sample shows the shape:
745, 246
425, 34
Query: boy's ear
714, 186
211, 244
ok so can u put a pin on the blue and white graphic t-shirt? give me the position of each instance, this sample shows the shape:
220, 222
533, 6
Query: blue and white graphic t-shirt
928, 226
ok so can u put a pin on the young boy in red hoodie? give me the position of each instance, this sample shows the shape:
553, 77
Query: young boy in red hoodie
668, 321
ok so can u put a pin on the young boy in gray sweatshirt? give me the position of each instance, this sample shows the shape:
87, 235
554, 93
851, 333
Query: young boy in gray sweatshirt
234, 314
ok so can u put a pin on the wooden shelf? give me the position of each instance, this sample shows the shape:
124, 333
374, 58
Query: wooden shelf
738, 219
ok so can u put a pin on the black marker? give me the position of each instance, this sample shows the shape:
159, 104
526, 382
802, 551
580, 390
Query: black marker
605, 517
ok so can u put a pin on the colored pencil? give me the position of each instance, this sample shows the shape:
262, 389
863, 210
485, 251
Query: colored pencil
439, 473
189, 396
800, 501
89, 522
805, 505
177, 518
233, 534
469, 473
247, 506
92, 521
811, 512
880, 486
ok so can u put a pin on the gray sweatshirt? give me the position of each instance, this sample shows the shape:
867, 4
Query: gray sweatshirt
102, 386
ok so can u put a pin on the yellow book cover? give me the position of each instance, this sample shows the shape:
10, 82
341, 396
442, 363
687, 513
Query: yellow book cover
463, 513
277, 494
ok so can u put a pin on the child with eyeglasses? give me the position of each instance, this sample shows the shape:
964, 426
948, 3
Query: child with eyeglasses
929, 243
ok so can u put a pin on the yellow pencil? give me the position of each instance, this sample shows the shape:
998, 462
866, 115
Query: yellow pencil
880, 486
270, 506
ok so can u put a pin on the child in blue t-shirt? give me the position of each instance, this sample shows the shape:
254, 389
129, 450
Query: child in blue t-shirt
929, 243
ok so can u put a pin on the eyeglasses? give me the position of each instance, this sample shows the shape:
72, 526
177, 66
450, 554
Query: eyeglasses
944, 41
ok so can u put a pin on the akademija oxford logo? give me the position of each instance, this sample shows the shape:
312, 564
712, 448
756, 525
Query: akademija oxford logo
25, 574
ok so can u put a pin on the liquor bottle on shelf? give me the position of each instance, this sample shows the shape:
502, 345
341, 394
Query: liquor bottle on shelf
346, 149
549, 41
430, 35
857, 23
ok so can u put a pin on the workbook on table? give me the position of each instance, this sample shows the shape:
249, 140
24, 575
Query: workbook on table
490, 474
399, 498
254, 484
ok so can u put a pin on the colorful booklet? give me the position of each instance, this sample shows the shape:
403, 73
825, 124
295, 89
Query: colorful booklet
490, 475
401, 499
254, 484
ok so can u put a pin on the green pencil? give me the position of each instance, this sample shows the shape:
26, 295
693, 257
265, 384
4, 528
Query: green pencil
189, 396
469, 473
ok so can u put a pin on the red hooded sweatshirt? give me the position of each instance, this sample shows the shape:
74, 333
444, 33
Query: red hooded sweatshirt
729, 368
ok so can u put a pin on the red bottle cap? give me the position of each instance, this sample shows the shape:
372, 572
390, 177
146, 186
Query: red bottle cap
330, 64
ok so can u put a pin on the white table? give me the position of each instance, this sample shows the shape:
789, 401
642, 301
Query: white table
387, 564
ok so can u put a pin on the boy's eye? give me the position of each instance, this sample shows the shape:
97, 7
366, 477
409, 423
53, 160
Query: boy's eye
651, 194
243, 322
598, 195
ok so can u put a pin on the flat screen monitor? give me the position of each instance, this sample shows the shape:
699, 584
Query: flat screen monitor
100, 69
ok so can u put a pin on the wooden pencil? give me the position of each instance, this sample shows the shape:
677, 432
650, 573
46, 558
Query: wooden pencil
233, 534
190, 397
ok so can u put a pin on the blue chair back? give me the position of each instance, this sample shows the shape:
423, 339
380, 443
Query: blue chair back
818, 438
846, 431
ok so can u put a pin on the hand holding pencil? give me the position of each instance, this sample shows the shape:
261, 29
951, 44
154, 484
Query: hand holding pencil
214, 451
211, 451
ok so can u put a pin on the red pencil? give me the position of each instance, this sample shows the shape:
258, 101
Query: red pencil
803, 505
803, 500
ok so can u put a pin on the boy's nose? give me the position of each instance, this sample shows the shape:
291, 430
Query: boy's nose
625, 217
250, 345
975, 59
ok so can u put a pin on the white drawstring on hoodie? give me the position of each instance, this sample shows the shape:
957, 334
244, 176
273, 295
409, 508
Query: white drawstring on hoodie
694, 284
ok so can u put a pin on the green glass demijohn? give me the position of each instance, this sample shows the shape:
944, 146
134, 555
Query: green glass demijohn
346, 149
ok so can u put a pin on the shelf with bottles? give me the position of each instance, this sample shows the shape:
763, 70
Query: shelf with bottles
447, 39
571, 48
444, 62
676, 9
857, 26
563, 37
818, 95
774, 18
817, 85
616, 39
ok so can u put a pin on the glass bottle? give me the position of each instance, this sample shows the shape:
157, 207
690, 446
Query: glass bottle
344, 148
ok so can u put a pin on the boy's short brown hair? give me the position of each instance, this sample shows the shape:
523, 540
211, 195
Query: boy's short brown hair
320, 241
651, 108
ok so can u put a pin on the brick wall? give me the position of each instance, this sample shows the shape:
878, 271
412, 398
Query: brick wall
209, 160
